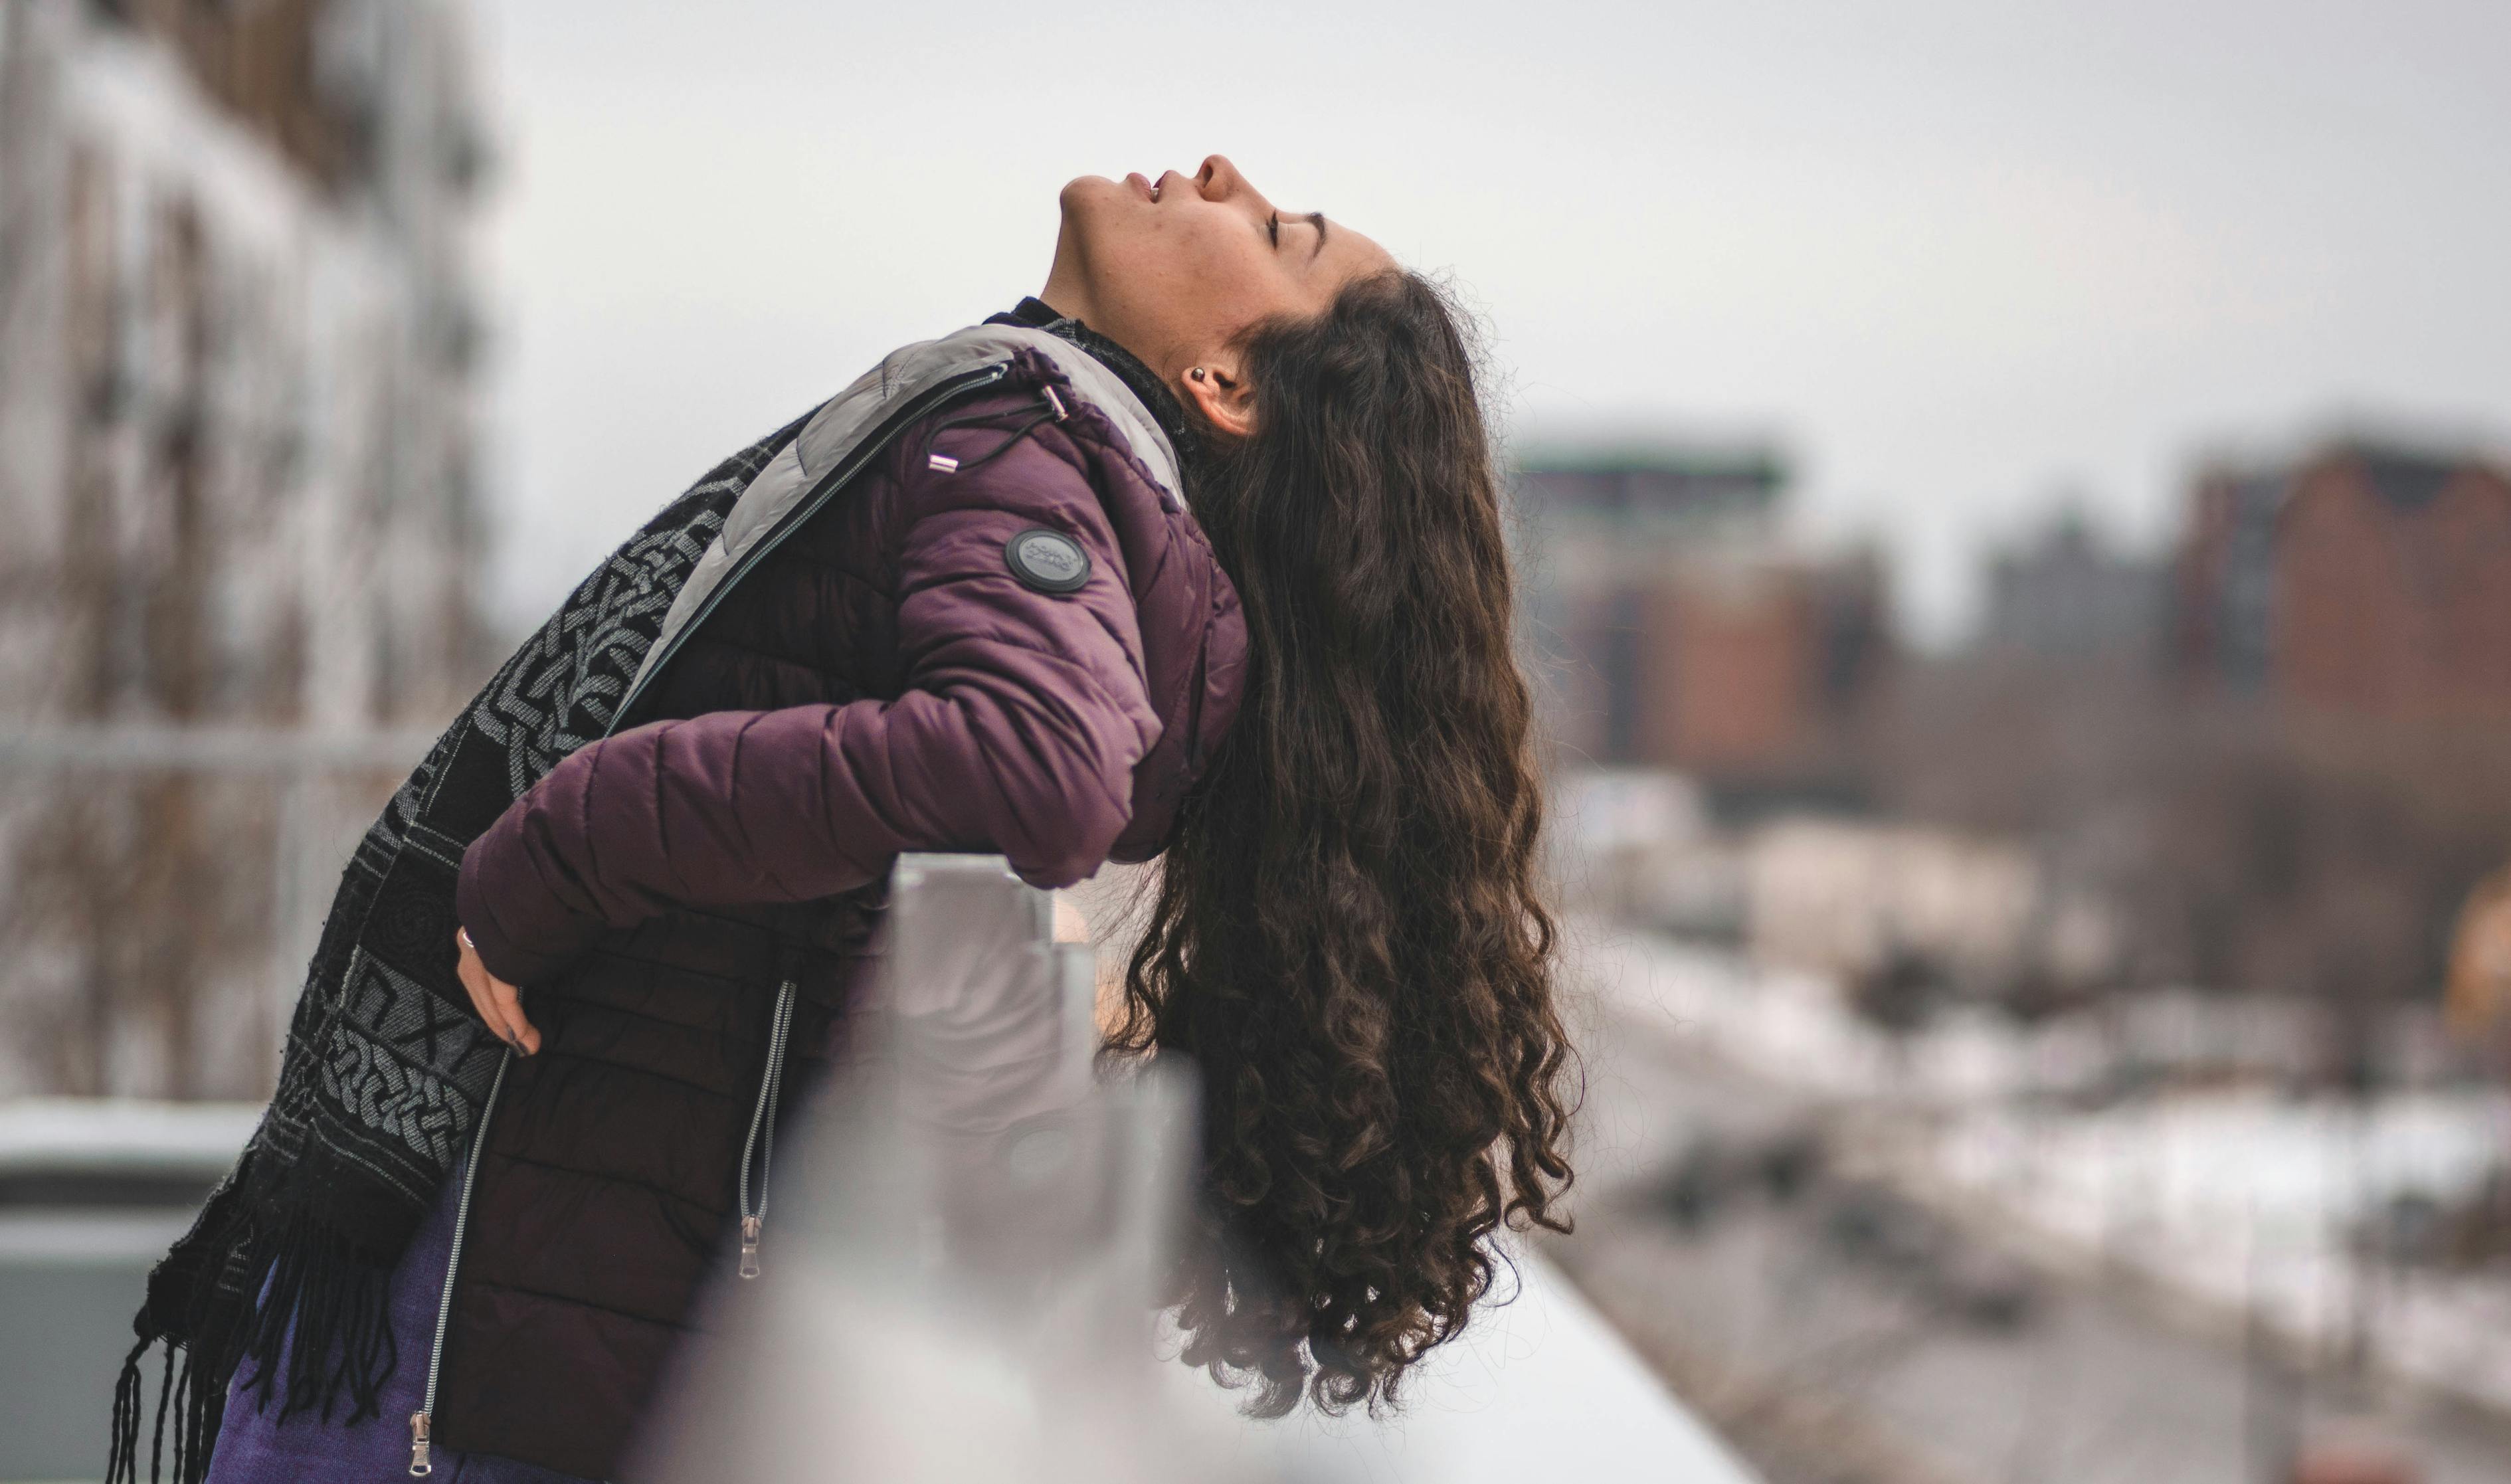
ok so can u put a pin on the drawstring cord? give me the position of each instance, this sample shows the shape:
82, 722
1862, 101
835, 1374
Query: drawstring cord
944, 463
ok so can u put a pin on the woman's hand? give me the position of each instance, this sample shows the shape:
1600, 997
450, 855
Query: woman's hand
498, 1003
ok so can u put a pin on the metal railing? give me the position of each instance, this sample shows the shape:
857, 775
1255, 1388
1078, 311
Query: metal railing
307, 842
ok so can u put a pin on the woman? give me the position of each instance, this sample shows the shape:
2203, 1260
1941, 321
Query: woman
961, 607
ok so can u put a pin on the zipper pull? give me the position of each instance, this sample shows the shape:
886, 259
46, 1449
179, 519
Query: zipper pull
751, 1227
419, 1467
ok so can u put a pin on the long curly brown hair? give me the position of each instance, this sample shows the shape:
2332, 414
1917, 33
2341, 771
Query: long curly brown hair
1347, 935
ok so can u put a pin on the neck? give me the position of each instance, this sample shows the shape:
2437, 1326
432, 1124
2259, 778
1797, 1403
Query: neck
1067, 294
1066, 290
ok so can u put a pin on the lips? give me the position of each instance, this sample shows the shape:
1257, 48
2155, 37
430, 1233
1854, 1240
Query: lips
1149, 188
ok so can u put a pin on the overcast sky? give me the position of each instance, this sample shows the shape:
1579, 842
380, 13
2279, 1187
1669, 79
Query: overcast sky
1964, 259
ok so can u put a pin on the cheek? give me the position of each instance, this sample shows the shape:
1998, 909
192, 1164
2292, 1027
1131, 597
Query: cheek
1237, 274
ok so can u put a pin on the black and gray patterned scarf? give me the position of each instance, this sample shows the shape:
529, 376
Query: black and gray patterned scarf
387, 1064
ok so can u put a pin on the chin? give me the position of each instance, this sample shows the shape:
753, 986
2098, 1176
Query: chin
1093, 211
1083, 192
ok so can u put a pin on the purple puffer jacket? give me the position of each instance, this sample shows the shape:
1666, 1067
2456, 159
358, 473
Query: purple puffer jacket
884, 680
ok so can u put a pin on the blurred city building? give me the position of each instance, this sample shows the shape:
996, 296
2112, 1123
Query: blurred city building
2210, 982
1914, 910
1676, 624
2066, 596
2365, 579
239, 341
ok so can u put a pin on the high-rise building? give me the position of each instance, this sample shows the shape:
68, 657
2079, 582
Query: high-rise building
2066, 596
2365, 579
238, 422
1672, 623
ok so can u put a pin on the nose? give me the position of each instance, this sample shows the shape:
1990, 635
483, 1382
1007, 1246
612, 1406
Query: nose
1218, 180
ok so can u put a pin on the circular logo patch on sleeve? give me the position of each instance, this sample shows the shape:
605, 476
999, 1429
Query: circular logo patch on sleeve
1048, 561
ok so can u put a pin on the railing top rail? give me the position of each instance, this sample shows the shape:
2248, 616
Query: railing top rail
142, 747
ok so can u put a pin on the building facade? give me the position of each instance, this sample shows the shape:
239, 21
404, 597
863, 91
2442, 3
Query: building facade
238, 422
2066, 596
1672, 624
2365, 580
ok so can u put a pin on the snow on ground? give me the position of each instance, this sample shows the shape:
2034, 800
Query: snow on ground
2243, 1200
2240, 1201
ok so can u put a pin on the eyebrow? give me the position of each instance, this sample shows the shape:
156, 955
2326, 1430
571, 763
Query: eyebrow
1318, 220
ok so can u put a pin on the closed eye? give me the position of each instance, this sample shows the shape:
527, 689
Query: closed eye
1273, 229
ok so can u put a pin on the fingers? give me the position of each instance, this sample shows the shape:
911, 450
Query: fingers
509, 1003
499, 1003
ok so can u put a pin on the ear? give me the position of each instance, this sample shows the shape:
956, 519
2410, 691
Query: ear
1219, 391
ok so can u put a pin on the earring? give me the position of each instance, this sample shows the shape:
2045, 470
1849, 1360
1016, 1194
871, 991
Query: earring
1196, 374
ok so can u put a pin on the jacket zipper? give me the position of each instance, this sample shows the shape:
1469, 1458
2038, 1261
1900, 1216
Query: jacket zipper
762, 1143
421, 1421
758, 1148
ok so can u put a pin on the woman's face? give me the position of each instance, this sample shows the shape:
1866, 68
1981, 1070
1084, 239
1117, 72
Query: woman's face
1174, 269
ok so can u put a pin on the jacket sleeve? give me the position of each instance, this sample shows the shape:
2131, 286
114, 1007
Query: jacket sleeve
1017, 728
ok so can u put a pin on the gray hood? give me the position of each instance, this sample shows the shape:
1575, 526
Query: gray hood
849, 428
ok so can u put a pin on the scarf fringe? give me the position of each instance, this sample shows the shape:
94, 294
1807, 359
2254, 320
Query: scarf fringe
336, 1339
321, 1343
183, 1397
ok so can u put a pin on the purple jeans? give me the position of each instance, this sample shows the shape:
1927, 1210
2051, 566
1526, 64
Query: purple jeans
255, 1448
